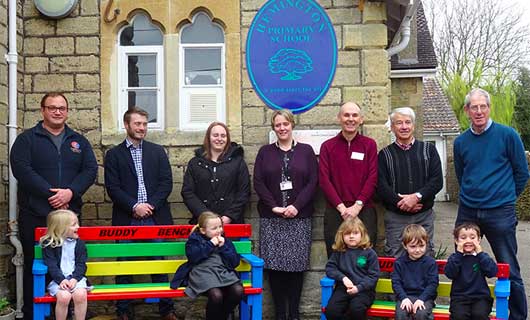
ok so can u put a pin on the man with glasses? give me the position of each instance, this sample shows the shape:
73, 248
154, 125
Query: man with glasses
492, 171
54, 166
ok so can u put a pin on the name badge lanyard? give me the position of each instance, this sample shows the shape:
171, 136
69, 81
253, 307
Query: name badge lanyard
286, 184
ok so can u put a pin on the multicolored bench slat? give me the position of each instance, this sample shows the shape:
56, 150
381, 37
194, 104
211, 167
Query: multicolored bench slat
386, 309
101, 245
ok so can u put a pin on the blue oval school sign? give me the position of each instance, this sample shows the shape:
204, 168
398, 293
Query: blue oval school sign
291, 54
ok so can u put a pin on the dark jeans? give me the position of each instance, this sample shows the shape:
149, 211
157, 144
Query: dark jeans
465, 308
332, 221
286, 289
342, 305
165, 306
499, 226
27, 224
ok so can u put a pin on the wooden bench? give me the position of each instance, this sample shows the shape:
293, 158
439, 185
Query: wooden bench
103, 250
386, 309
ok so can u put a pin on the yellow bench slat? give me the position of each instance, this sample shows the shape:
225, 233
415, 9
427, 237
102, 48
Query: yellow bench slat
113, 268
444, 288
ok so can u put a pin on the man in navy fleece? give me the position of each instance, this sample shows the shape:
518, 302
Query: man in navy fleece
492, 171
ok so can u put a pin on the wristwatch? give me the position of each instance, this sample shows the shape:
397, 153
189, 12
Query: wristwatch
418, 195
359, 203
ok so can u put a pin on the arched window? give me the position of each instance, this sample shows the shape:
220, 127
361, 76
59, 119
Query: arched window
140, 70
202, 73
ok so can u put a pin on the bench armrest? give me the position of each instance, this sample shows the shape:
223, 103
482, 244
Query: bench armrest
326, 287
257, 269
39, 271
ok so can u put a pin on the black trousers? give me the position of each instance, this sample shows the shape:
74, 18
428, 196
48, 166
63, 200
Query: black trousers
332, 221
468, 308
286, 289
342, 305
27, 224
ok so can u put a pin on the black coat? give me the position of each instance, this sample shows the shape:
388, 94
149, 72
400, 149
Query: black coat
122, 183
52, 259
222, 187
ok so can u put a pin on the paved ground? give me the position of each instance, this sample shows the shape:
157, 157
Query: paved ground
445, 219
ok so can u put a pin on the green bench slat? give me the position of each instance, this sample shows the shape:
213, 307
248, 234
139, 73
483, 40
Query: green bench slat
143, 285
143, 249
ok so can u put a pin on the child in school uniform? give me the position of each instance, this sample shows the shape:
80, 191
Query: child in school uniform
65, 256
468, 267
210, 269
355, 268
415, 277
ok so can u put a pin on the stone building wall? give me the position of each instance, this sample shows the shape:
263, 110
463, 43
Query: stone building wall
65, 55
408, 92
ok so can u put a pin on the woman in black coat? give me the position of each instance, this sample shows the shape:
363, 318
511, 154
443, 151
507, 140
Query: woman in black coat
217, 178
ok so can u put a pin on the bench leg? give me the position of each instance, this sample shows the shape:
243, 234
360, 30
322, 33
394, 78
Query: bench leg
39, 311
244, 313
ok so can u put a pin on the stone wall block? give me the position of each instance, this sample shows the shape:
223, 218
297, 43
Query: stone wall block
320, 115
59, 46
84, 100
348, 58
39, 27
30, 11
332, 97
89, 212
33, 46
94, 194
175, 196
89, 7
78, 26
378, 132
251, 5
256, 135
87, 45
75, 64
251, 99
87, 82
37, 65
375, 67
181, 156
83, 120
344, 15
105, 211
374, 12
347, 76
366, 35
178, 174
53, 82
253, 116
373, 100
3, 15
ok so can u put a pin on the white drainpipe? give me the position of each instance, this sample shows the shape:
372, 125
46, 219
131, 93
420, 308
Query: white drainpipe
12, 60
404, 29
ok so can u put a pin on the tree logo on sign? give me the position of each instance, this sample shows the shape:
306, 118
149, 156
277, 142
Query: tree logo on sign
293, 62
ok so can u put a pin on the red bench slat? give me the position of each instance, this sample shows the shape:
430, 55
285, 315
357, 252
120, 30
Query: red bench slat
136, 295
149, 232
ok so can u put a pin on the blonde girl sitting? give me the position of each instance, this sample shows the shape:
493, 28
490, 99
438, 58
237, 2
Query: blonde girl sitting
65, 256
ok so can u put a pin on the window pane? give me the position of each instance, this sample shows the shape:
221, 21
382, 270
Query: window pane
202, 31
202, 66
141, 33
145, 99
141, 70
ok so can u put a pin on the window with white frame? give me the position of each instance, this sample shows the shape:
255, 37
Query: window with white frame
202, 73
141, 70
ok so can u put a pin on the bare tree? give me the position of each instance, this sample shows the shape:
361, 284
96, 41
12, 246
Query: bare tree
482, 39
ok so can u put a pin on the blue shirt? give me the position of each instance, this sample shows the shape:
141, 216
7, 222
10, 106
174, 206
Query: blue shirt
491, 168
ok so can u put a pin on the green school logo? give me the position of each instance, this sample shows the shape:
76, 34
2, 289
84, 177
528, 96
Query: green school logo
361, 261
476, 267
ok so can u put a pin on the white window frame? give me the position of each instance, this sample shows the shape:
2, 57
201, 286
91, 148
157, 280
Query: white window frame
123, 88
186, 90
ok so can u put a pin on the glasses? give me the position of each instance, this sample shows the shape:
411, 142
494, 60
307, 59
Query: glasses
53, 109
479, 107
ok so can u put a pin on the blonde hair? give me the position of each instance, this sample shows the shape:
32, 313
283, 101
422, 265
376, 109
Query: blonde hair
287, 114
203, 220
350, 225
414, 232
58, 222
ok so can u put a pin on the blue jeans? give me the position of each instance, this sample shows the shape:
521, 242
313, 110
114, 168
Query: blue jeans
498, 225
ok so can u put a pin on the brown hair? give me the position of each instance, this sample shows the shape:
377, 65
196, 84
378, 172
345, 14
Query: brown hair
414, 232
203, 220
466, 225
132, 110
207, 153
349, 225
287, 114
52, 95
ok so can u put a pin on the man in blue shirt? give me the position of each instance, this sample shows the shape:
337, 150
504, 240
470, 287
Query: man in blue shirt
492, 171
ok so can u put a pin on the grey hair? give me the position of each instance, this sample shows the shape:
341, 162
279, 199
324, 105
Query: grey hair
477, 91
404, 111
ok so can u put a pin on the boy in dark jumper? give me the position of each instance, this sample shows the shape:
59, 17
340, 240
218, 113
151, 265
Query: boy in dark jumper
468, 267
415, 277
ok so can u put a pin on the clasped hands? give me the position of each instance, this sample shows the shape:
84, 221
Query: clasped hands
406, 304
349, 212
286, 212
351, 289
68, 284
61, 198
143, 210
218, 241
409, 203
